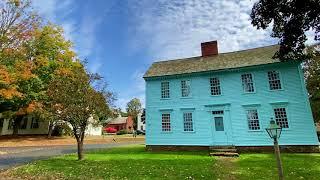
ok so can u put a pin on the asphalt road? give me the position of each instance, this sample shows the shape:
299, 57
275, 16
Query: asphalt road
14, 156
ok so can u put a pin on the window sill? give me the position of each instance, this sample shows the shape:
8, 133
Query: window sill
275, 90
215, 95
189, 97
189, 131
165, 99
166, 132
255, 130
245, 93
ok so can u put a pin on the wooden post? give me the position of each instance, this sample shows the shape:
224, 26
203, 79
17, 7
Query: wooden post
279, 163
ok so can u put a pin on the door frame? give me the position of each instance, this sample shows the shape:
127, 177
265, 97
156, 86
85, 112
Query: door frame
226, 122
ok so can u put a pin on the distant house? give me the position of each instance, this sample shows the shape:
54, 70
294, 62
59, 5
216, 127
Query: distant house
120, 123
31, 125
227, 99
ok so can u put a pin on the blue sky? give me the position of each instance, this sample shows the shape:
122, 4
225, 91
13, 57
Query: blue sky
121, 38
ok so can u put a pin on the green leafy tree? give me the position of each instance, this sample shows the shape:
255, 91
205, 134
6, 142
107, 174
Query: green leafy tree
28, 70
312, 76
29, 54
76, 101
133, 109
290, 19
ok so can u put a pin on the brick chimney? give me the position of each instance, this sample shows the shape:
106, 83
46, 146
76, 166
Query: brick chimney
209, 48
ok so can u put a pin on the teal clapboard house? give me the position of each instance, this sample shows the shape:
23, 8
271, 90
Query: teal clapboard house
227, 99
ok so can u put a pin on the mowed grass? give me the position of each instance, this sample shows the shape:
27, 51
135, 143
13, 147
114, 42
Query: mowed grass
122, 163
134, 162
263, 166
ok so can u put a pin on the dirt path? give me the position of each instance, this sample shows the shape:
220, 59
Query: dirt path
225, 167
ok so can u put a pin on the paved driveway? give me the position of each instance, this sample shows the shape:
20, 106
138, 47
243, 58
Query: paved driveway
13, 156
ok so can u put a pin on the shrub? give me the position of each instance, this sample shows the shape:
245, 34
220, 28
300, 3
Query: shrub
123, 131
62, 130
110, 130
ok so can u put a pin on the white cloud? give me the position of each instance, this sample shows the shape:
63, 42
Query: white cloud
175, 28
86, 36
54, 10
80, 29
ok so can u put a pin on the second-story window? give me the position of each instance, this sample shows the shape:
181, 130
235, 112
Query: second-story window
247, 82
165, 90
274, 80
185, 88
215, 86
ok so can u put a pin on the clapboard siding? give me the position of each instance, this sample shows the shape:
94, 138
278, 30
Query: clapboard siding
301, 127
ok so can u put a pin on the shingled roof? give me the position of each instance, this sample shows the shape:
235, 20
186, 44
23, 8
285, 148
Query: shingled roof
238, 59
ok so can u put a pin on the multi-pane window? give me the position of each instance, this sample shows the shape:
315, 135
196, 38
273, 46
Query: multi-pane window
281, 117
34, 123
185, 88
166, 124
187, 121
274, 80
165, 90
215, 86
217, 112
253, 119
247, 82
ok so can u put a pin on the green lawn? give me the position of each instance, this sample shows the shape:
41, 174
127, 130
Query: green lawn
135, 163
263, 166
124, 163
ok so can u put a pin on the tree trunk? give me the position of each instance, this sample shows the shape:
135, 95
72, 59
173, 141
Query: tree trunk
50, 130
80, 149
80, 145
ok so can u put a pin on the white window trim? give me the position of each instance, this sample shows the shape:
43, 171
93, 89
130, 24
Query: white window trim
287, 112
220, 84
166, 112
281, 81
190, 91
161, 90
253, 83
259, 118
193, 121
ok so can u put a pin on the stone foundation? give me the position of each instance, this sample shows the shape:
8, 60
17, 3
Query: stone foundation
240, 149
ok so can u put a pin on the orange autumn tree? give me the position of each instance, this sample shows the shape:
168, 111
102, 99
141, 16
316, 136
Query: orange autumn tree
29, 56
